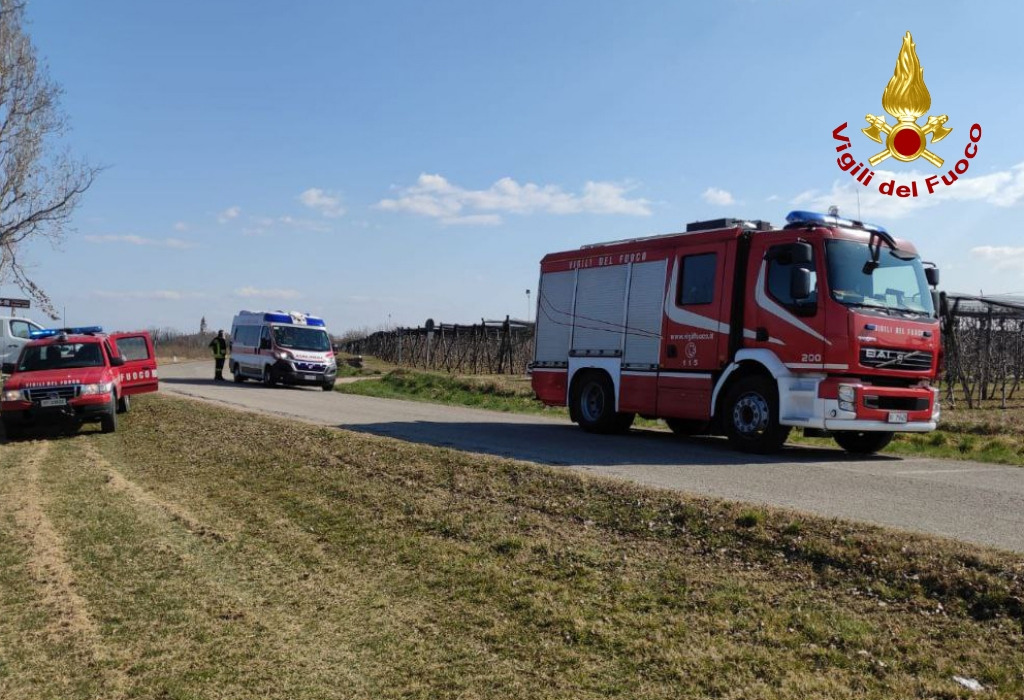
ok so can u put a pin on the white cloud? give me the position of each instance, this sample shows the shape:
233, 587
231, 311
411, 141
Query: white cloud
721, 198
180, 226
1002, 189
229, 214
262, 225
175, 243
434, 196
158, 295
1001, 257
254, 293
324, 202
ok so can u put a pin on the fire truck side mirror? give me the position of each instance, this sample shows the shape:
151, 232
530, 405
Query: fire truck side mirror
799, 283
932, 275
117, 361
7, 368
793, 254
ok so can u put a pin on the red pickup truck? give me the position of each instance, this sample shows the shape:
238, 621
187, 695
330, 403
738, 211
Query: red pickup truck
75, 376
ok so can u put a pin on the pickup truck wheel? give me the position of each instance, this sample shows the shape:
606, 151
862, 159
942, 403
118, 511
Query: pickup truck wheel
237, 372
108, 422
862, 443
268, 376
752, 416
124, 404
13, 430
594, 403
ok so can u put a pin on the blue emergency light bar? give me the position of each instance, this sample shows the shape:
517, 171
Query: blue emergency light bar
813, 217
280, 317
51, 332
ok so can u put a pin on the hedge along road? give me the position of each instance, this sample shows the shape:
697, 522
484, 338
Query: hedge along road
973, 502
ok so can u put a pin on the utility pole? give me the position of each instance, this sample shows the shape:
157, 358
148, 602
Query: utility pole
528, 306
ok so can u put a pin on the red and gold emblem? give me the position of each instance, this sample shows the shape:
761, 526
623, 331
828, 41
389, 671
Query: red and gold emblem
906, 98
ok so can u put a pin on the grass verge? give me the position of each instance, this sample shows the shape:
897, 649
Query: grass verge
990, 435
207, 553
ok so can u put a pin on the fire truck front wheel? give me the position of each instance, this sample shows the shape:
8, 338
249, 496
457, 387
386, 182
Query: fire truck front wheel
751, 416
593, 403
862, 443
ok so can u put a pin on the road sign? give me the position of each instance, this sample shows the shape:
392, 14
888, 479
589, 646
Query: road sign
14, 303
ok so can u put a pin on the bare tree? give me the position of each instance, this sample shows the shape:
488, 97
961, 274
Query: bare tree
40, 184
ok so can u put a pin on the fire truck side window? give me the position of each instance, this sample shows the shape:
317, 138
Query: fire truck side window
696, 279
779, 275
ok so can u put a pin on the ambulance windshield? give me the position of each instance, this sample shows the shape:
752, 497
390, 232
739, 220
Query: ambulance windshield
897, 284
296, 338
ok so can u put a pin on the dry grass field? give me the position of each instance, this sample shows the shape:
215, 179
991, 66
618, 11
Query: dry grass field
204, 553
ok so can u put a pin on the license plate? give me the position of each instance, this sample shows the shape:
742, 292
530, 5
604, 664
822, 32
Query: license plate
311, 377
897, 416
48, 403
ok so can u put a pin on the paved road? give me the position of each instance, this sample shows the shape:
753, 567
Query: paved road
981, 503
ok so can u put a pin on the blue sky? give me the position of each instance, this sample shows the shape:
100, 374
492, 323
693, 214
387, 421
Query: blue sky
405, 160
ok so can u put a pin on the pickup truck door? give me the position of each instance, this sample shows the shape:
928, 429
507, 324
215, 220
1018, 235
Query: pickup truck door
138, 373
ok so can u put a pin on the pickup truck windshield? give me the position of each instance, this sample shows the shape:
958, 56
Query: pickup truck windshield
36, 358
896, 284
313, 339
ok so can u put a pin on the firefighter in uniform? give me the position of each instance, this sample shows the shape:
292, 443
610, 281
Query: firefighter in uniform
219, 346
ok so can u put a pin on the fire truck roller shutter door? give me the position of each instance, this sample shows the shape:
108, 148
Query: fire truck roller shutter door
644, 316
600, 312
554, 316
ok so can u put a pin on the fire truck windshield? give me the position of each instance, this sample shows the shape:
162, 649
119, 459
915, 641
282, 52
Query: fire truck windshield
293, 338
36, 358
897, 284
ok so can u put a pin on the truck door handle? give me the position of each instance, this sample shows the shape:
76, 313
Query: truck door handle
671, 351
762, 335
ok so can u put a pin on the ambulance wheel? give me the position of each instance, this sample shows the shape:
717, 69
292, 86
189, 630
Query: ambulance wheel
237, 372
594, 405
268, 376
862, 443
108, 422
686, 428
751, 417
328, 386
124, 404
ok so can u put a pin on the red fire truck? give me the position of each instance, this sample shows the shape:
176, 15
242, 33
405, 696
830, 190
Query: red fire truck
76, 375
734, 327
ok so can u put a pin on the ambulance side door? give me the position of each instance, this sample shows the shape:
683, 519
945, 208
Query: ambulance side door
139, 372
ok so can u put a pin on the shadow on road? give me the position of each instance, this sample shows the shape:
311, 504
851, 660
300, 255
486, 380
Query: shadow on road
563, 445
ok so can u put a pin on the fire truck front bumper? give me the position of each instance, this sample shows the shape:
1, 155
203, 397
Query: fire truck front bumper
84, 409
853, 405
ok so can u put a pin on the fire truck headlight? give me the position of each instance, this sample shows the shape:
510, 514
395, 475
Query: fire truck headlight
96, 389
847, 406
12, 395
847, 393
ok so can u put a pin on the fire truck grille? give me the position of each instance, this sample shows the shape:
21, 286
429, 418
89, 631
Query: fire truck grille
889, 358
310, 367
37, 394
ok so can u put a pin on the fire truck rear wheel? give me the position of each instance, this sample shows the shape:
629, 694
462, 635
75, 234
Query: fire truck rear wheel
594, 403
108, 422
124, 404
862, 443
751, 416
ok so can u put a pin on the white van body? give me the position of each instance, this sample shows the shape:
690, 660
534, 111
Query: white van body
14, 333
284, 347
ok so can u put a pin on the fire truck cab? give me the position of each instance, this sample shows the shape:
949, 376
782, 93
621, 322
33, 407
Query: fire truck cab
76, 375
735, 327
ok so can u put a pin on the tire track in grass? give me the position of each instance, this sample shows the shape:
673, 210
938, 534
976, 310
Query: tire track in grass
69, 621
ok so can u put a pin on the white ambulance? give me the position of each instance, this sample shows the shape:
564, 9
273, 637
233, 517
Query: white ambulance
14, 334
284, 347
